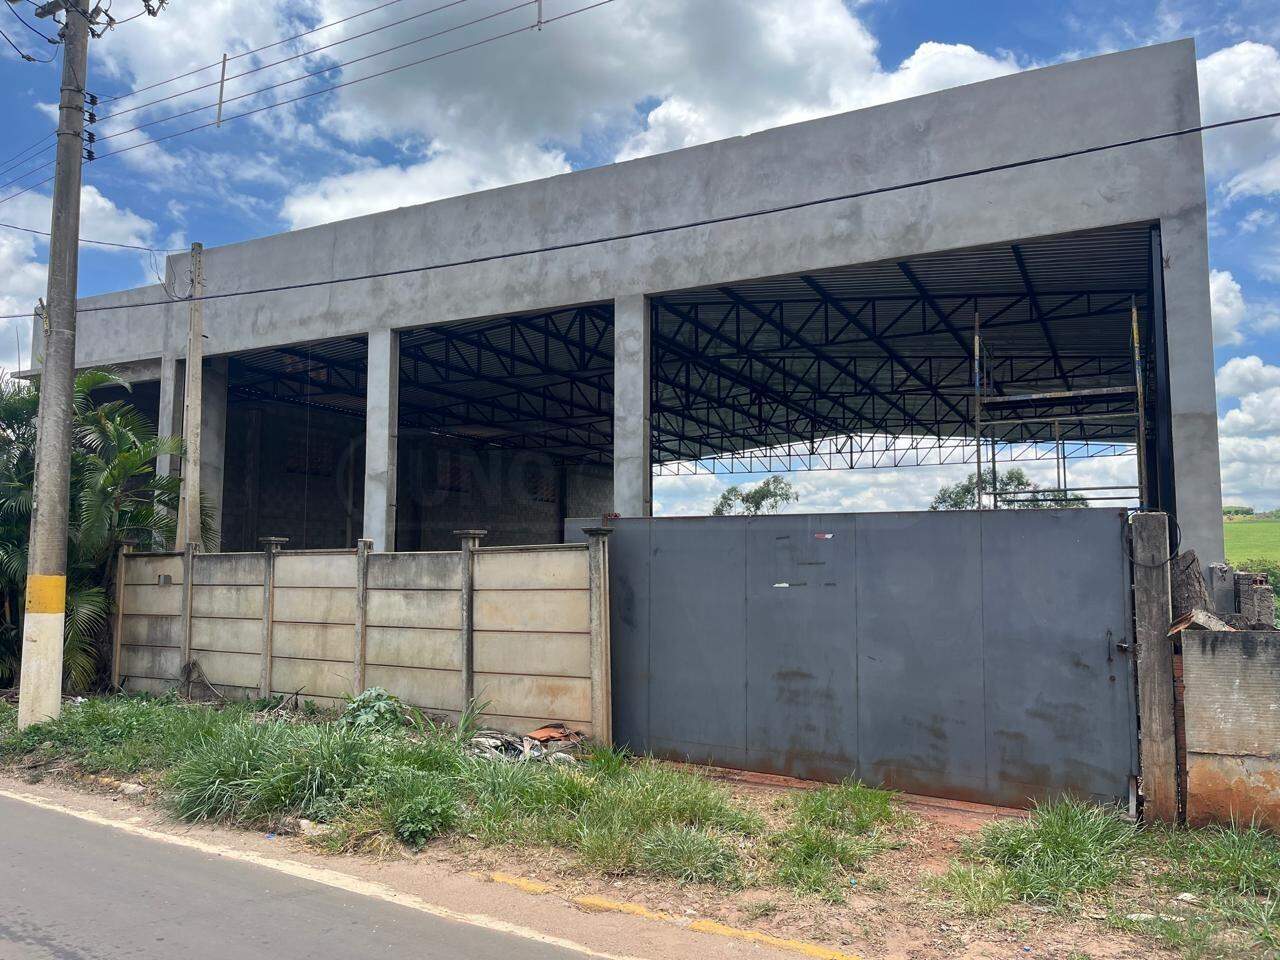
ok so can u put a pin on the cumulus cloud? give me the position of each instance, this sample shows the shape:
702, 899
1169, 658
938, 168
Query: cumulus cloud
1234, 82
23, 256
615, 83
1241, 376
1228, 308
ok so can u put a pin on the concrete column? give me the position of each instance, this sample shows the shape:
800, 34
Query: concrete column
213, 441
381, 431
169, 417
632, 467
1193, 396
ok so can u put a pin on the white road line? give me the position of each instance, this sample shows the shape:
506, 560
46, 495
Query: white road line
330, 878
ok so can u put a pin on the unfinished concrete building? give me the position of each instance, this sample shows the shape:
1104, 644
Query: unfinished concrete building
976, 272
658, 323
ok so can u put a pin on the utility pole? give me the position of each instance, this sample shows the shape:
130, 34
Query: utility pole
193, 406
40, 687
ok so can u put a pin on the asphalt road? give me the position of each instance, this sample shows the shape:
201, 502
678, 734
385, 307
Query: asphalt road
70, 889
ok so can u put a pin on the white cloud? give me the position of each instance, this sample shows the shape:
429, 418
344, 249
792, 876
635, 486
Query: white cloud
1241, 376
23, 256
1257, 415
1228, 308
1256, 220
705, 70
445, 173
1239, 81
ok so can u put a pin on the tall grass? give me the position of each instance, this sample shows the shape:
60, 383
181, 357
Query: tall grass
1065, 847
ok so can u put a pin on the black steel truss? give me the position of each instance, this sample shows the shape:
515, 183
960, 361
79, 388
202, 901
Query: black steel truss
865, 367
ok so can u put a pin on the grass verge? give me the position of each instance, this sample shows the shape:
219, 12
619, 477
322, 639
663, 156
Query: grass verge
377, 783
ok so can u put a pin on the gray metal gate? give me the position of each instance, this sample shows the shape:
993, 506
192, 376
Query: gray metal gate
981, 656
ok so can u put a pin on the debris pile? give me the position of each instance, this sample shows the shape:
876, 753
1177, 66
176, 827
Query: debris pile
554, 743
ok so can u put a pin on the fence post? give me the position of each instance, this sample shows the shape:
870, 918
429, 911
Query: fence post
188, 575
601, 667
362, 614
1152, 613
270, 547
118, 638
466, 590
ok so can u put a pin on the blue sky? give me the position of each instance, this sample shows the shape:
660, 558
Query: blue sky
634, 77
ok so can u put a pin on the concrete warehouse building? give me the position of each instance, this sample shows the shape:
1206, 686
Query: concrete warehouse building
648, 319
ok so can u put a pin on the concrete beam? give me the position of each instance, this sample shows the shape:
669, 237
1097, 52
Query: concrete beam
381, 417
632, 467
169, 415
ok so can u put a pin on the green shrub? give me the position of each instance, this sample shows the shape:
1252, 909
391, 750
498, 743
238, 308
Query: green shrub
426, 814
374, 710
818, 861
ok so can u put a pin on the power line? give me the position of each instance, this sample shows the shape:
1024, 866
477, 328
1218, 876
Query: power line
15, 161
316, 73
276, 63
39, 33
97, 243
20, 52
708, 221
348, 83
237, 56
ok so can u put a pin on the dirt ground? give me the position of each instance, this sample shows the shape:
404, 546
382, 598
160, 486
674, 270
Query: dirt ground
889, 912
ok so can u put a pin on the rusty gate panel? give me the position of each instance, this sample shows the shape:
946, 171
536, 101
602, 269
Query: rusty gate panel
982, 656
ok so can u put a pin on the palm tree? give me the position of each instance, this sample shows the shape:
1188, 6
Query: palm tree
115, 496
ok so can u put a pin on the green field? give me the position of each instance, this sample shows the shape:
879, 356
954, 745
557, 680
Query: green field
1252, 540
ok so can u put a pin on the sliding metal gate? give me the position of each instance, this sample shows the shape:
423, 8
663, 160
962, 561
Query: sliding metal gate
982, 656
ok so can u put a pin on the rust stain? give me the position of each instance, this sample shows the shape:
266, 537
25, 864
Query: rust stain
1244, 789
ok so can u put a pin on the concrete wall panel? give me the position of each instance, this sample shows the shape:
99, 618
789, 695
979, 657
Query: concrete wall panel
403, 647
428, 689
157, 662
155, 600
535, 654
566, 698
230, 669
312, 678
314, 605
243, 602
154, 686
439, 609
554, 569
226, 635
414, 571
149, 570
552, 611
316, 570
314, 641
228, 568
156, 631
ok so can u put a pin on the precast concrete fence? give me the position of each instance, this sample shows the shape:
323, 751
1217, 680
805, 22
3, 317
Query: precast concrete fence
521, 630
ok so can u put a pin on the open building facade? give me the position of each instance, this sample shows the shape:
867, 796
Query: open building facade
576, 334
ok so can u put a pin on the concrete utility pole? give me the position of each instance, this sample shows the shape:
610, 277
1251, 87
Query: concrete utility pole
40, 687
193, 408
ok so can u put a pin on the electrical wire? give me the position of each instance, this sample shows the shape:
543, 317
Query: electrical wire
237, 56
275, 63
707, 221
39, 33
20, 157
345, 83
315, 73
98, 243
21, 54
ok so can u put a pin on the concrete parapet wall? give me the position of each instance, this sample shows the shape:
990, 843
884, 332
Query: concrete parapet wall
1231, 710
323, 625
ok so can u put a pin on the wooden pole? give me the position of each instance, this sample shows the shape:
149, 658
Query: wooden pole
1152, 611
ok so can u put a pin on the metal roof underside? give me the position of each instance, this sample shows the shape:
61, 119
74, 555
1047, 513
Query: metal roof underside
861, 365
